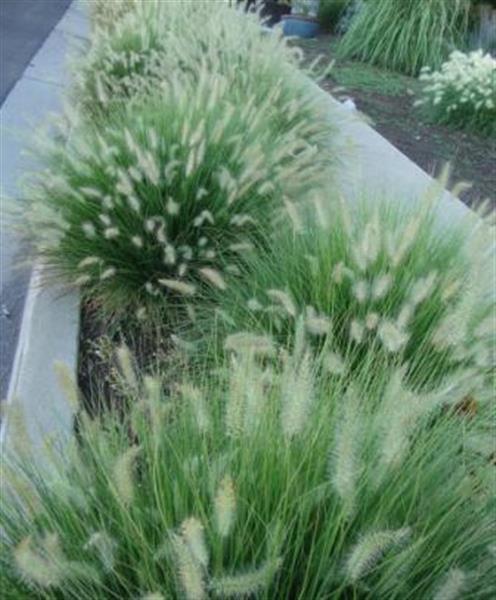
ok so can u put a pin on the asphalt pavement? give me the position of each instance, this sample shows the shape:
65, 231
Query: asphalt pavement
24, 27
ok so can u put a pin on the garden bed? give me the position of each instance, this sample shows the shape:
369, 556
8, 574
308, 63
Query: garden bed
388, 98
344, 353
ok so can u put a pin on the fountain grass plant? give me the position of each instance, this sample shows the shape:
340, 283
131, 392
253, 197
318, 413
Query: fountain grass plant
156, 40
206, 138
143, 209
265, 479
406, 35
375, 275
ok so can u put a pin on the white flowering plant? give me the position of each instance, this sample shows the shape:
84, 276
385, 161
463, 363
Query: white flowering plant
462, 92
374, 277
267, 479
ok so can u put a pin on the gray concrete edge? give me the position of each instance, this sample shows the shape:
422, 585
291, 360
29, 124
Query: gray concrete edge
37, 410
374, 170
37, 407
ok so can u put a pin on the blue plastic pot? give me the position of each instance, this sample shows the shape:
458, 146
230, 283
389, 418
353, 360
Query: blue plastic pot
300, 26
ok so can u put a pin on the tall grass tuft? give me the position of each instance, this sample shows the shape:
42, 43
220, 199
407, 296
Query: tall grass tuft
195, 141
376, 276
203, 513
158, 40
144, 208
406, 35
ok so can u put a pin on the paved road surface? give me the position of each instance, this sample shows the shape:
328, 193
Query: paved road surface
24, 26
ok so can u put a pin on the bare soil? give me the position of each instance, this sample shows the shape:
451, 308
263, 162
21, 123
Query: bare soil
99, 378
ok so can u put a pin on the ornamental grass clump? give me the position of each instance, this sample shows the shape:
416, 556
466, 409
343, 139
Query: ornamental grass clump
121, 61
267, 479
406, 35
144, 208
160, 40
375, 276
462, 92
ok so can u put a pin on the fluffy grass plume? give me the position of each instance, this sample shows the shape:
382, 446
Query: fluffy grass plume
452, 586
247, 395
297, 395
371, 548
193, 535
123, 475
44, 567
246, 584
225, 506
345, 466
189, 570
284, 531
406, 35
35, 568
462, 92
125, 361
104, 546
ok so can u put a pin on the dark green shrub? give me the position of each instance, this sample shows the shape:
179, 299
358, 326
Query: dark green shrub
330, 12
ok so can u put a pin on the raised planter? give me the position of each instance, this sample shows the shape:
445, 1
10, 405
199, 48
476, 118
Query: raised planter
300, 26
51, 320
48, 335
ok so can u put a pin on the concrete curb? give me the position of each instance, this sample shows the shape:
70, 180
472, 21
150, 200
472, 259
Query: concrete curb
377, 170
50, 321
49, 333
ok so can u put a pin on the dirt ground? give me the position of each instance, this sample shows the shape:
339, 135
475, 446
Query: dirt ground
388, 100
